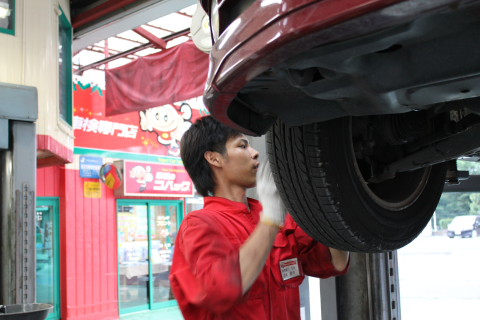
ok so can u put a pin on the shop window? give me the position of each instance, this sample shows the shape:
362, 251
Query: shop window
47, 255
7, 16
65, 68
194, 203
146, 235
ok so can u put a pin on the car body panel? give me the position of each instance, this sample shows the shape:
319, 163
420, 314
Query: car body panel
271, 31
241, 52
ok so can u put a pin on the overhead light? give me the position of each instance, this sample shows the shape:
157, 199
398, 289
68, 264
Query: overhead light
200, 30
4, 10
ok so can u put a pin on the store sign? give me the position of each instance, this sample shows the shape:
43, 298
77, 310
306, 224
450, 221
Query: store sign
153, 179
92, 190
90, 167
155, 132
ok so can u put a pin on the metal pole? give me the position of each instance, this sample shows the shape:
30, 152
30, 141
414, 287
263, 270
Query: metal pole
353, 290
370, 289
18, 157
24, 183
7, 223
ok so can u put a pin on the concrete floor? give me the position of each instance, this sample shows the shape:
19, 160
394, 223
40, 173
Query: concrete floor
172, 313
439, 278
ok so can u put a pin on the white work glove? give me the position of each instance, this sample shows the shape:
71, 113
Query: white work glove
273, 209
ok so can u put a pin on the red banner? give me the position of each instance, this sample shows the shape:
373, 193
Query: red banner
156, 131
158, 79
152, 179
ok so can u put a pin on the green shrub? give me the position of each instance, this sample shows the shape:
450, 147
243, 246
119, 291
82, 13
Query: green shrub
443, 223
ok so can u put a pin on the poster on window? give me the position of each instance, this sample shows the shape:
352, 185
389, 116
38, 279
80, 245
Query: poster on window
7, 13
156, 131
154, 179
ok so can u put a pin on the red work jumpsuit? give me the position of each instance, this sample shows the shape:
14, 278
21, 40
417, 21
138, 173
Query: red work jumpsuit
205, 275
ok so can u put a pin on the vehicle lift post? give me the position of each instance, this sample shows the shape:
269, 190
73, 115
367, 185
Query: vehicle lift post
18, 157
369, 291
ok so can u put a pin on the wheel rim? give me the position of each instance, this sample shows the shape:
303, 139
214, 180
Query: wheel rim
395, 194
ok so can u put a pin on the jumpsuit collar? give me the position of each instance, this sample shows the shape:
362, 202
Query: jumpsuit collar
229, 206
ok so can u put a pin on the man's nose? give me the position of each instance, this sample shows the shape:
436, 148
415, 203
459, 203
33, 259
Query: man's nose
255, 154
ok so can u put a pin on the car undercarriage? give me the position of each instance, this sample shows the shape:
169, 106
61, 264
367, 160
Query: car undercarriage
386, 101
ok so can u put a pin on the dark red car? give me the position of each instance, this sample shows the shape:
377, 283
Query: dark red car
366, 104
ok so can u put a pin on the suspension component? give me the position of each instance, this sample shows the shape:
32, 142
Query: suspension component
453, 175
401, 128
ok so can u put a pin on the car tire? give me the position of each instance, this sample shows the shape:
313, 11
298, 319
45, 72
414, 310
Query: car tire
451, 237
316, 173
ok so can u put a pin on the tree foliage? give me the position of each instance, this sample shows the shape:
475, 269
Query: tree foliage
455, 204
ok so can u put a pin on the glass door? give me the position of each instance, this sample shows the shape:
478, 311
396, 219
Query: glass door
133, 270
164, 226
146, 235
47, 255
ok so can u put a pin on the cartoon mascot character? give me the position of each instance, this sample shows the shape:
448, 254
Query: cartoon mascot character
169, 123
142, 175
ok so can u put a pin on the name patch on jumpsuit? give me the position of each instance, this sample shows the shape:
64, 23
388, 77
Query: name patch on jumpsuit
289, 269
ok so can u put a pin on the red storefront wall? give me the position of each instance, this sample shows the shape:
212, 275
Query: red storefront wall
88, 245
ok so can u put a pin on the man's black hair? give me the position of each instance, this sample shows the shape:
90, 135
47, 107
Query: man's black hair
206, 134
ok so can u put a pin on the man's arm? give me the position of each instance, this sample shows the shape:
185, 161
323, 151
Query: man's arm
339, 259
254, 253
255, 250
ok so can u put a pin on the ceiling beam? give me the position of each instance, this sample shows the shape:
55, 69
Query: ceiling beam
103, 49
159, 28
103, 52
132, 51
99, 11
112, 50
135, 41
183, 14
156, 41
125, 19
79, 66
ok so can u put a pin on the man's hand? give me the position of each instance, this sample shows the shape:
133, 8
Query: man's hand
339, 259
273, 209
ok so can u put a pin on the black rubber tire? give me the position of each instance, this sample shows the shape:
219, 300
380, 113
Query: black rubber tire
314, 170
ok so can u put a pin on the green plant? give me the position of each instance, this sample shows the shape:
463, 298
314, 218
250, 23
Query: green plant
443, 223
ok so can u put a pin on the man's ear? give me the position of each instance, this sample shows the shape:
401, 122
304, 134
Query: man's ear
213, 158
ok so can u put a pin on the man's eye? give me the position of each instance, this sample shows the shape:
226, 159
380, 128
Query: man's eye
243, 146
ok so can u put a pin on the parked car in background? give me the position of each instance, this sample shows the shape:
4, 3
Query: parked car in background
366, 104
464, 226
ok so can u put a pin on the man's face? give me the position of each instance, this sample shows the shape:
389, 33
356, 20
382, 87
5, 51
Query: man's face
240, 162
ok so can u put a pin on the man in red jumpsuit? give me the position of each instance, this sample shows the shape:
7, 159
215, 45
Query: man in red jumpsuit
239, 258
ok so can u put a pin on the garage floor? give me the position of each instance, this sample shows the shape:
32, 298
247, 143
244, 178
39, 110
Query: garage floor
172, 313
439, 278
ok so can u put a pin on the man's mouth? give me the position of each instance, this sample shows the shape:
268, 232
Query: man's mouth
256, 166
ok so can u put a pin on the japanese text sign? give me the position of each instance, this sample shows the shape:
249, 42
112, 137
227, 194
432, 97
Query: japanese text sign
90, 167
156, 131
153, 179
92, 190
